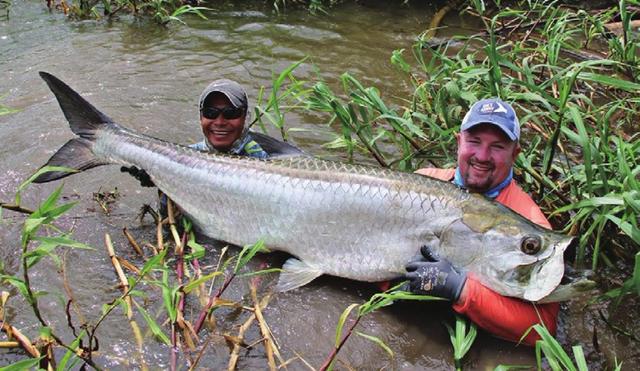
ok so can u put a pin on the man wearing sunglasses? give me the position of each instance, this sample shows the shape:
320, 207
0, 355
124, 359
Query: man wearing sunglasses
223, 111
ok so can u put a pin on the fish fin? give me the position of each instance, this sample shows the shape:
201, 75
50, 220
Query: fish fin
275, 147
75, 154
84, 119
296, 273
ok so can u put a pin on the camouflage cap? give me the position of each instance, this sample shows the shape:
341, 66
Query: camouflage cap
231, 89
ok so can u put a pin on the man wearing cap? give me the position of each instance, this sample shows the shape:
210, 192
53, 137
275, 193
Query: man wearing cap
223, 110
487, 148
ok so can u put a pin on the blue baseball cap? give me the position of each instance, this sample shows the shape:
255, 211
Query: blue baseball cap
493, 111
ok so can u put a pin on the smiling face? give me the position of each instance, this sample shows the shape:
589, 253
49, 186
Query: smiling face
485, 156
220, 131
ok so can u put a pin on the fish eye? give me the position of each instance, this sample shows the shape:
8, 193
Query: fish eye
531, 245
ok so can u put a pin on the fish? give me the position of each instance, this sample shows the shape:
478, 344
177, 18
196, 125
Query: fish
348, 220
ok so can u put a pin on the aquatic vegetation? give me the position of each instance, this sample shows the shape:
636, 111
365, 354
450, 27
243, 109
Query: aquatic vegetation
161, 11
41, 238
5, 110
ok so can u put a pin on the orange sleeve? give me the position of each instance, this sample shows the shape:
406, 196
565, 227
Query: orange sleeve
506, 317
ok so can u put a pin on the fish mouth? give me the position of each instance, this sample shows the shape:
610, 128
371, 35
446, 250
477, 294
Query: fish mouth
548, 275
572, 275
574, 282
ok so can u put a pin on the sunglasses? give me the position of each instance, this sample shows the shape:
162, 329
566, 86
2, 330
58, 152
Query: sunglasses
228, 113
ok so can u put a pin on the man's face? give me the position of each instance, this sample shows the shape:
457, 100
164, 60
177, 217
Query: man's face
220, 131
485, 156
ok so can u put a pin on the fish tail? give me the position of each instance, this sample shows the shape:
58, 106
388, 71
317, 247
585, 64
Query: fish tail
85, 121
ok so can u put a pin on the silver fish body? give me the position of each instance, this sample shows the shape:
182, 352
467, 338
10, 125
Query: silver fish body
358, 222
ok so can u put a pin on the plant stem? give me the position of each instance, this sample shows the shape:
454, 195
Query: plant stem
336, 349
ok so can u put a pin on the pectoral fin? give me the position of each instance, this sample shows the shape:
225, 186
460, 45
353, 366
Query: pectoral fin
296, 273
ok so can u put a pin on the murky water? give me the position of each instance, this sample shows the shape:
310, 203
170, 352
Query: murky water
149, 79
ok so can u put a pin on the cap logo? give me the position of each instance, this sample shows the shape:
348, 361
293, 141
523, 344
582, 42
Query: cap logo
493, 107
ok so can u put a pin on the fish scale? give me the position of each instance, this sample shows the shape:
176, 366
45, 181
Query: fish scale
353, 221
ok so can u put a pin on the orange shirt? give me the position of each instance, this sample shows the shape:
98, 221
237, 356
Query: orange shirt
503, 316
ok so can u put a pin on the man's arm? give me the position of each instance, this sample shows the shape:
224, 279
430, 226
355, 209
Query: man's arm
505, 317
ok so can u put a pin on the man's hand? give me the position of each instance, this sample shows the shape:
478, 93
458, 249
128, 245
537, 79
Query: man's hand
139, 174
433, 276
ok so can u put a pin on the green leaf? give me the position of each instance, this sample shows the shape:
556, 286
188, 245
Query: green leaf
398, 60
168, 297
553, 350
41, 171
578, 354
62, 365
248, 252
49, 203
155, 329
511, 367
31, 225
47, 245
197, 250
610, 81
17, 283
377, 341
63, 241
153, 262
260, 272
626, 227
195, 283
25, 364
341, 321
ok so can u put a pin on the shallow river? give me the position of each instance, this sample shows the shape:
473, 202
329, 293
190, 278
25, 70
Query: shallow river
149, 79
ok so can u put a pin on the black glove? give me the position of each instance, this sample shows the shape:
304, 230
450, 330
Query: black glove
433, 276
139, 174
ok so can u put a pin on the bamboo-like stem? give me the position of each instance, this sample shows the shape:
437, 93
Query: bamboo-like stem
124, 283
121, 276
264, 329
128, 265
173, 355
200, 354
336, 349
235, 353
16, 208
180, 274
212, 300
233, 359
132, 242
9, 344
13, 333
22, 340
159, 236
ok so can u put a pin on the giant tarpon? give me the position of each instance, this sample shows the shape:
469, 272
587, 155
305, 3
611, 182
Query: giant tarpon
359, 222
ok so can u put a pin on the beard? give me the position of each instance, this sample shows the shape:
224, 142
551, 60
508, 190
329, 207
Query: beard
474, 182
